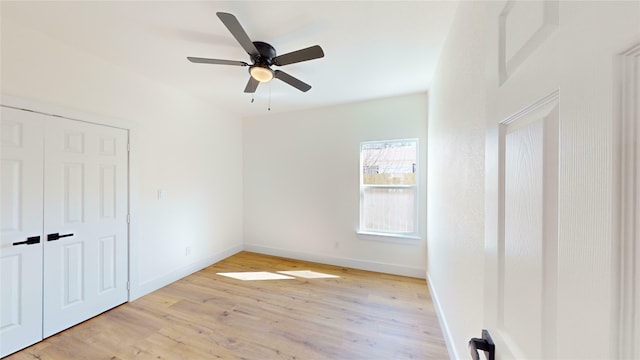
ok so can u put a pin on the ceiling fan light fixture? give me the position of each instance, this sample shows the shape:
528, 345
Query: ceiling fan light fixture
262, 74
262, 55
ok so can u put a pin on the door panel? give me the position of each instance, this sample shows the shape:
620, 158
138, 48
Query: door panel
107, 192
21, 265
73, 193
523, 238
108, 262
72, 274
86, 199
528, 244
11, 202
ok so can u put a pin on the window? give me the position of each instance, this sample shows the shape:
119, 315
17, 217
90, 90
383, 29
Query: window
389, 187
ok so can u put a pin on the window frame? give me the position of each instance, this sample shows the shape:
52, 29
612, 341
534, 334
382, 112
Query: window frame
390, 236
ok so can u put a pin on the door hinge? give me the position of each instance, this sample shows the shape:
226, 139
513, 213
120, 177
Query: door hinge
128, 218
128, 146
128, 285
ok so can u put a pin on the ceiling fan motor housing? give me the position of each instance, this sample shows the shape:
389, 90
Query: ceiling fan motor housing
267, 53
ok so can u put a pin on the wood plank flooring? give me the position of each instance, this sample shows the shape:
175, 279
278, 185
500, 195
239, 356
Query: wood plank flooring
360, 315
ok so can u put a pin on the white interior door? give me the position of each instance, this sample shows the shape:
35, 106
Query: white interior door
86, 203
21, 262
551, 252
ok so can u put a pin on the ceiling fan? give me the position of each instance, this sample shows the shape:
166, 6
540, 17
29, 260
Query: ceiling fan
263, 56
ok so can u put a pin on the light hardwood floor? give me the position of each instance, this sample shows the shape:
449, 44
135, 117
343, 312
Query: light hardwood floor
360, 315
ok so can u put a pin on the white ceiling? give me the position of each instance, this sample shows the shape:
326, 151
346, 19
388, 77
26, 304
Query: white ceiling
372, 49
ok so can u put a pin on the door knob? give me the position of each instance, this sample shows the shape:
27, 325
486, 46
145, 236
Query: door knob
483, 344
56, 236
30, 241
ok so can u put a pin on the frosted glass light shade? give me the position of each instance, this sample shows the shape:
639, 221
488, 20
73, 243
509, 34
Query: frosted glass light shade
261, 74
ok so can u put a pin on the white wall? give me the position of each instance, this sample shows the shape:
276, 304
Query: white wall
179, 144
456, 180
301, 183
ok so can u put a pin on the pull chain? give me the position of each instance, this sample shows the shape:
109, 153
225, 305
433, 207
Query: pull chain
269, 108
253, 97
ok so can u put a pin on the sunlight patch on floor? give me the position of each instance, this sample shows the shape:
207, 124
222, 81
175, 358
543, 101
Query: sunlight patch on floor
255, 275
308, 274
281, 275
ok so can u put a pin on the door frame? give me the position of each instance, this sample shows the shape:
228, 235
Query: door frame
627, 197
132, 178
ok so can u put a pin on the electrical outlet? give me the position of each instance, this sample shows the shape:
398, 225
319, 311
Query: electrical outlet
187, 251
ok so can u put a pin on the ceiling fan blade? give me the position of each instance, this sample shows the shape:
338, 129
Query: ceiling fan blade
238, 32
304, 87
310, 53
216, 61
252, 85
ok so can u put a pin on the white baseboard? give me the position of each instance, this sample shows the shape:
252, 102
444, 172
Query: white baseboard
339, 261
164, 280
448, 339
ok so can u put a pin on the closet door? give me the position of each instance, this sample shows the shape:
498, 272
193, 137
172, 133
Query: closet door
21, 241
85, 222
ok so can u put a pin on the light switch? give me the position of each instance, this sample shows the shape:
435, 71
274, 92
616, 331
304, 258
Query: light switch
160, 194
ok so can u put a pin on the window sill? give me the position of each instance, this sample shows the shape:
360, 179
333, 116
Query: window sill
386, 237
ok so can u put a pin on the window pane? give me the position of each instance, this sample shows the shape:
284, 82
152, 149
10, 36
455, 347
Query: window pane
389, 163
389, 209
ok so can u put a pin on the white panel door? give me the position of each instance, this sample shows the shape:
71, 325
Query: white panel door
21, 262
551, 247
85, 222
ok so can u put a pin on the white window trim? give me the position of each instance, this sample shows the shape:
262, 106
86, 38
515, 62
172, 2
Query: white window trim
388, 237
366, 234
